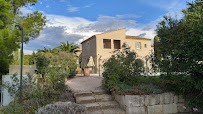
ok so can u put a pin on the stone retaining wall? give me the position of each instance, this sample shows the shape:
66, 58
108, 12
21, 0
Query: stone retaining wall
164, 103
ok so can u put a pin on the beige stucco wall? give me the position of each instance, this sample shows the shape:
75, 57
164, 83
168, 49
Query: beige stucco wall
98, 51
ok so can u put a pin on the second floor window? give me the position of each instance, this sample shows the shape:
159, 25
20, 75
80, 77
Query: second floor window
138, 45
107, 43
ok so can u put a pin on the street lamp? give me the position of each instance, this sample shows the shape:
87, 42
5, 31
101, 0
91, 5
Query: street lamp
21, 68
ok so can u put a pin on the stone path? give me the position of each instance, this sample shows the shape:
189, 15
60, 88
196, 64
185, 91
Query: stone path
88, 92
85, 84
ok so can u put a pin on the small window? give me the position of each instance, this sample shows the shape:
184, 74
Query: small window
107, 43
145, 45
117, 44
138, 44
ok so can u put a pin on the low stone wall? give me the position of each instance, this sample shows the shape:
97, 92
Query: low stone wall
26, 68
165, 103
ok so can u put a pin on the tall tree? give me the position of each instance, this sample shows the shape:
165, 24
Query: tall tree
68, 47
181, 47
9, 35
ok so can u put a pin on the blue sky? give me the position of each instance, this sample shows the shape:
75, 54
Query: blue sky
76, 20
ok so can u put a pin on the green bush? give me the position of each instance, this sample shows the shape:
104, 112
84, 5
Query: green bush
186, 86
122, 67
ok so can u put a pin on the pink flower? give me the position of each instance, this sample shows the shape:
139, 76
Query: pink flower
184, 107
195, 109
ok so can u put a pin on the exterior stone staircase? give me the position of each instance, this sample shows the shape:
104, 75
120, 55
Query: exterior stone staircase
98, 102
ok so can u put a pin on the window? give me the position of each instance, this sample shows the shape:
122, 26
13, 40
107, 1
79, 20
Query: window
107, 43
145, 45
117, 44
138, 44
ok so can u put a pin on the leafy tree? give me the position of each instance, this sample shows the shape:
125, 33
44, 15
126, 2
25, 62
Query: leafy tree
68, 47
9, 35
42, 64
181, 49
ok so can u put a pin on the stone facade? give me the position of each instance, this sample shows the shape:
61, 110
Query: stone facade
101, 46
165, 103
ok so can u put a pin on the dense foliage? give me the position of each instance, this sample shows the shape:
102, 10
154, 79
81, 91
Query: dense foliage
10, 15
122, 74
34, 94
63, 61
180, 46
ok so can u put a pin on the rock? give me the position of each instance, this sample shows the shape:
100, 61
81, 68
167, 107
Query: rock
175, 99
170, 108
135, 110
154, 99
156, 109
134, 100
121, 100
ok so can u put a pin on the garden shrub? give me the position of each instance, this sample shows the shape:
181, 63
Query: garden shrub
62, 108
12, 108
122, 67
65, 61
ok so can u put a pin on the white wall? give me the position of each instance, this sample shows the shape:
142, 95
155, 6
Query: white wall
6, 98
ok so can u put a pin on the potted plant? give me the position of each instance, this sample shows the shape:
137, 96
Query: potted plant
86, 71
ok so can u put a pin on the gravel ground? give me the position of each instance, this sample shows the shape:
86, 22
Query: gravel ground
85, 83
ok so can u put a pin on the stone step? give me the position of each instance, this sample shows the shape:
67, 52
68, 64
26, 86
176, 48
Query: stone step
82, 94
95, 98
92, 106
101, 105
102, 98
99, 92
86, 99
107, 111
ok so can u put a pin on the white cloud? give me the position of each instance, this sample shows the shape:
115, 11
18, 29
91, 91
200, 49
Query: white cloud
47, 6
138, 31
28, 52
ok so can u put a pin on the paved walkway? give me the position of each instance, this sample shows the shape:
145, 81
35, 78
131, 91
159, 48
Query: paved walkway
85, 83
